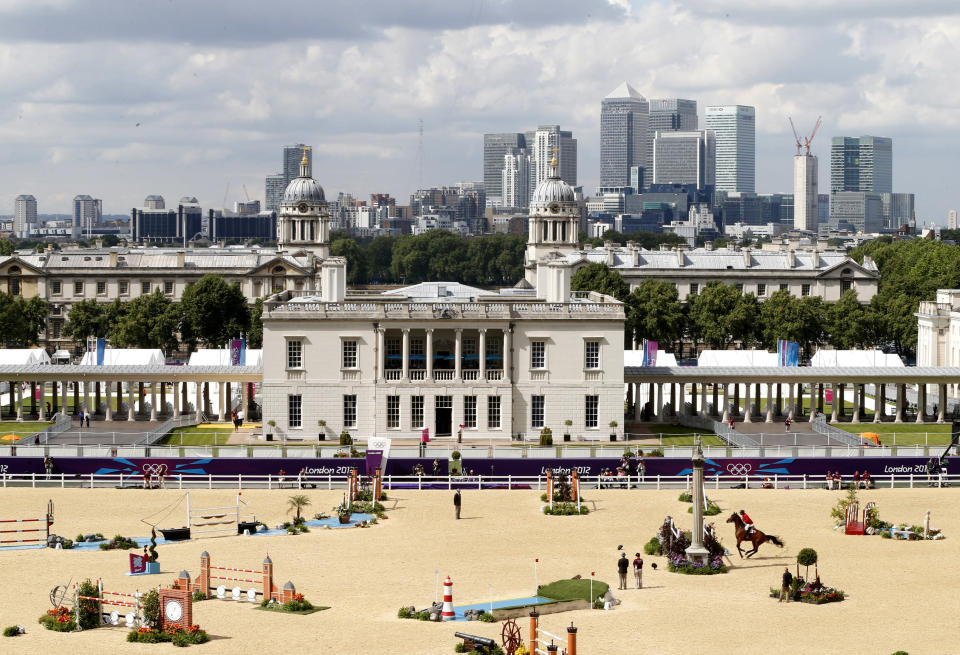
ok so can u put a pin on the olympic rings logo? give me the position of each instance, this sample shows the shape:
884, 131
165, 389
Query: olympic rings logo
739, 469
154, 469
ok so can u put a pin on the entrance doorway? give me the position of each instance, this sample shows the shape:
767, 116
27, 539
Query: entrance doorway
443, 414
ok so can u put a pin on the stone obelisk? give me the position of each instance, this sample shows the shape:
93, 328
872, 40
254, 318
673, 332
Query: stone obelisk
696, 552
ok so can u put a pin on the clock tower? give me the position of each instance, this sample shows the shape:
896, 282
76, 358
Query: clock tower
554, 221
304, 222
176, 608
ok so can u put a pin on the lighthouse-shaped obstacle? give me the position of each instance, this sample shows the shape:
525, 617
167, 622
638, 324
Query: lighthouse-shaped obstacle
447, 614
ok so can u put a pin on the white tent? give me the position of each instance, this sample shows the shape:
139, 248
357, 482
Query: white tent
866, 358
23, 356
221, 357
126, 357
737, 358
635, 358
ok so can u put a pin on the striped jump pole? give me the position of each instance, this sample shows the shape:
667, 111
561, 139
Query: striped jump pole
447, 613
47, 522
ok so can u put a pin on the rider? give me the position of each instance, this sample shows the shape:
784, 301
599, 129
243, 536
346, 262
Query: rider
747, 522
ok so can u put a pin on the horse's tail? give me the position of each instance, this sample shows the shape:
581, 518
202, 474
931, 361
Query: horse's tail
774, 540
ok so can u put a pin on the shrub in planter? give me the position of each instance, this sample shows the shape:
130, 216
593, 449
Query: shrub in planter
119, 542
566, 430
546, 437
487, 617
345, 439
455, 455
656, 452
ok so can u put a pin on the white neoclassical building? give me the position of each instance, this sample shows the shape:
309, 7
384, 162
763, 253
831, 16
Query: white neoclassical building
938, 332
444, 356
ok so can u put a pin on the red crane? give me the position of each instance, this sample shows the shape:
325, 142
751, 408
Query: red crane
805, 141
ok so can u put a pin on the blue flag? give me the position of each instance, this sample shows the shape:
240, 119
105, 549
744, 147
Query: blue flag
788, 353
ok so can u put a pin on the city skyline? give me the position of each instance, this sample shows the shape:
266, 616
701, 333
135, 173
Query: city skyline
224, 98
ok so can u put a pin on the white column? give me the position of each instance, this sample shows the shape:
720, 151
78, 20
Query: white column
769, 418
900, 399
747, 402
108, 412
458, 353
199, 401
153, 401
19, 396
406, 353
245, 400
176, 399
86, 398
921, 402
429, 355
834, 405
508, 358
681, 392
130, 404
221, 402
726, 402
791, 405
482, 354
64, 398
42, 408
942, 406
657, 402
380, 354
856, 403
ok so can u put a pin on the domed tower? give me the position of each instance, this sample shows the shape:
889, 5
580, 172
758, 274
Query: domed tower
554, 219
304, 222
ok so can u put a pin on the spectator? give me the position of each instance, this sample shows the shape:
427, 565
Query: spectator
865, 480
829, 479
638, 571
622, 565
856, 479
785, 583
456, 504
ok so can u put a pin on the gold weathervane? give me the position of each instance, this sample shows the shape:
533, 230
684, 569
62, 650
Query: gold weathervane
304, 161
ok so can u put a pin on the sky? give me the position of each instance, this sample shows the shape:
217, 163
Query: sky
124, 98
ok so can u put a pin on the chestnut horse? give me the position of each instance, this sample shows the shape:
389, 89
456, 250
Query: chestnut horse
756, 537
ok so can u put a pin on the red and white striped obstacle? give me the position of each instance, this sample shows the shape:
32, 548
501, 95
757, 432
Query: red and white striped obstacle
539, 636
353, 487
130, 619
447, 613
207, 582
47, 521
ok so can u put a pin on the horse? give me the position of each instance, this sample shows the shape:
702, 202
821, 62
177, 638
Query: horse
756, 537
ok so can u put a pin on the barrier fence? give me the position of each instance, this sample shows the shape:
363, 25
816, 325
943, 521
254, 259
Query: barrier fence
413, 482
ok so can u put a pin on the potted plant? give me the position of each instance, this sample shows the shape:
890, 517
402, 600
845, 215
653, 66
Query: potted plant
272, 425
323, 430
613, 430
343, 512
546, 437
345, 438
566, 431
455, 467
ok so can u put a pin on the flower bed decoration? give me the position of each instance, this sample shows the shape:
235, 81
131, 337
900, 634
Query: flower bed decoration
810, 592
177, 636
673, 543
299, 605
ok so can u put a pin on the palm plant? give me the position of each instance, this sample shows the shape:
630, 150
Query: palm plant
296, 504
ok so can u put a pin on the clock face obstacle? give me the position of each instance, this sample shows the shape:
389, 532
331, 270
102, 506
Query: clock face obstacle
173, 610
176, 608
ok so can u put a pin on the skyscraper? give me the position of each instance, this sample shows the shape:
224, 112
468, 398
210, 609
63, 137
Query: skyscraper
862, 163
87, 212
897, 209
684, 158
24, 215
495, 147
547, 138
672, 114
735, 129
275, 186
624, 116
515, 180
952, 219
806, 201
277, 183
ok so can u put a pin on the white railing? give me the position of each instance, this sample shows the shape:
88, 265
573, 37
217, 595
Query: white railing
470, 374
428, 482
443, 375
393, 374
593, 376
164, 428
494, 374
418, 374
539, 376
349, 375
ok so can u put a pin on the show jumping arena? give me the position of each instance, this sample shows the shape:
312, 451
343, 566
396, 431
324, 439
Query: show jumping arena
900, 595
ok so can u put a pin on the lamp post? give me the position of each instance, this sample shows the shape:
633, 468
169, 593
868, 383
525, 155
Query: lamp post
696, 552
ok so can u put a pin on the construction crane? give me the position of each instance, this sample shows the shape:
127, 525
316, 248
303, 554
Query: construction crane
245, 192
805, 141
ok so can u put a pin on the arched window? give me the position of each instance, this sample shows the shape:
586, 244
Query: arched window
13, 285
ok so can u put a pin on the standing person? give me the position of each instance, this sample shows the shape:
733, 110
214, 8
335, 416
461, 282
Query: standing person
622, 565
80, 416
732, 424
436, 467
638, 571
86, 417
786, 424
785, 585
930, 469
456, 504
48, 465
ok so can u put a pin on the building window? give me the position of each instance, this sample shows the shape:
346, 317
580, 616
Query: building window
761, 290
294, 353
694, 289
536, 411
469, 411
493, 412
592, 407
14, 286
784, 287
168, 288
350, 411
145, 288
295, 411
739, 288
101, 288
804, 290
538, 354
124, 287
57, 327
591, 354
350, 353
470, 360
78, 288
393, 412
416, 411
417, 358
56, 310
394, 353
56, 288
278, 283
845, 285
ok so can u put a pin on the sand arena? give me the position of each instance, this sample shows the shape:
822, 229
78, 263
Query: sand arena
900, 595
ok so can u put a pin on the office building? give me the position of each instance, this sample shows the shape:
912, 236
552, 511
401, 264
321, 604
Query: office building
952, 219
276, 184
896, 209
857, 211
225, 225
624, 144
515, 180
777, 208
684, 158
155, 224
154, 202
495, 148
672, 115
823, 208
87, 213
547, 141
735, 130
863, 163
806, 210
24, 215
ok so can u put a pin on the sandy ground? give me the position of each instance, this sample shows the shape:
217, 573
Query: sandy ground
900, 595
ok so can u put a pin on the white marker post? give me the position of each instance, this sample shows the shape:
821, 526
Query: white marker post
592, 599
436, 589
491, 598
536, 583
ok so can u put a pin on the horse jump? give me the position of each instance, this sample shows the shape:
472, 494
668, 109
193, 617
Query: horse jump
539, 636
852, 525
215, 519
131, 619
48, 521
377, 485
209, 574
353, 487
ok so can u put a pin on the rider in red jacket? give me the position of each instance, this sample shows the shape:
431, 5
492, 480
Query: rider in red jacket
747, 522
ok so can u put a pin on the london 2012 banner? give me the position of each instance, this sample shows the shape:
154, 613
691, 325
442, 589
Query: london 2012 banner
788, 353
650, 353
238, 352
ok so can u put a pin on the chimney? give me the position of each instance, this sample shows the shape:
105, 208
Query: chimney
635, 253
680, 258
333, 279
99, 243
49, 247
558, 284
181, 259
113, 258
708, 245
816, 258
792, 258
746, 257
664, 247
611, 260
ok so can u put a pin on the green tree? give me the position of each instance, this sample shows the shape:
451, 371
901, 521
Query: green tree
255, 333
213, 312
21, 320
379, 258
654, 312
6, 247
720, 315
601, 278
796, 319
87, 318
149, 321
845, 322
356, 259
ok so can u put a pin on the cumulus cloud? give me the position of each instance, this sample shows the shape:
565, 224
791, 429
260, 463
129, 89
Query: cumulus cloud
121, 99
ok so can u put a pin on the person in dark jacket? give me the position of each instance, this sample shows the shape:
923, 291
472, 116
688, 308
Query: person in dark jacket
456, 504
623, 565
785, 585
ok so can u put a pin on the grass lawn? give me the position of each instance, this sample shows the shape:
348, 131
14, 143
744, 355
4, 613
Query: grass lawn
196, 436
675, 435
573, 590
902, 434
22, 429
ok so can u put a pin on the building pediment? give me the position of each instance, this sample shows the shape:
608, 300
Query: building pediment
14, 261
270, 267
855, 270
